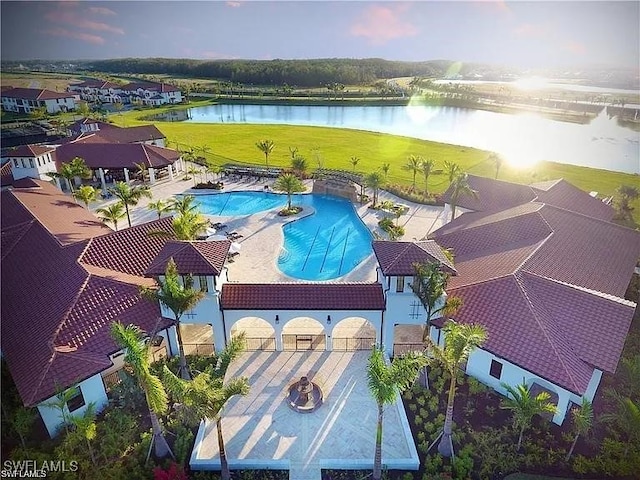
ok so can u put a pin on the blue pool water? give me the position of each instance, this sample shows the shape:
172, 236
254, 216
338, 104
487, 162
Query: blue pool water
322, 246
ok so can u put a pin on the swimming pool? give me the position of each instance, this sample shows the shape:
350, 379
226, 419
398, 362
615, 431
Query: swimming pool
326, 245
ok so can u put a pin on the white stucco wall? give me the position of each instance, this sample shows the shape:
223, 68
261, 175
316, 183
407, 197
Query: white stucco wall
92, 391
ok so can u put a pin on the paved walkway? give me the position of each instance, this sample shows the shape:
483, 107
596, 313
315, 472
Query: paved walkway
262, 431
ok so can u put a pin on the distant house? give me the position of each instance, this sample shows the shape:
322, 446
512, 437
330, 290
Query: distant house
144, 93
88, 130
34, 161
27, 100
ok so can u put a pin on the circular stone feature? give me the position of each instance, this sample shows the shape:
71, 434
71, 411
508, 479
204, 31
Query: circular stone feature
304, 396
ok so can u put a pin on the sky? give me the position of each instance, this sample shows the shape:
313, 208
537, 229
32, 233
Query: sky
529, 34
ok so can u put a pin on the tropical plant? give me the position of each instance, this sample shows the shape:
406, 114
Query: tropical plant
207, 394
626, 418
299, 165
385, 169
374, 181
289, 184
452, 170
21, 421
143, 169
266, 147
112, 213
459, 187
413, 165
354, 161
183, 204
69, 171
624, 195
188, 226
59, 403
159, 207
213, 170
497, 161
86, 194
582, 422
130, 339
179, 299
524, 406
85, 426
426, 167
130, 196
386, 382
459, 341
193, 171
429, 284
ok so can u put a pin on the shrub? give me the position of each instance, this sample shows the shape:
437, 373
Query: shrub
422, 401
424, 413
413, 407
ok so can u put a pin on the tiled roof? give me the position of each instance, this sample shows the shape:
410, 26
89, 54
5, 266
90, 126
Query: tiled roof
27, 151
114, 134
562, 194
114, 155
492, 195
302, 296
197, 258
398, 258
545, 282
66, 220
131, 250
76, 127
34, 94
6, 175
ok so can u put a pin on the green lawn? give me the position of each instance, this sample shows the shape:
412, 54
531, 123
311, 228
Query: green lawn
236, 142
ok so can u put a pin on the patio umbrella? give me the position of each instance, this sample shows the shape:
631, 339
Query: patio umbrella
235, 247
210, 231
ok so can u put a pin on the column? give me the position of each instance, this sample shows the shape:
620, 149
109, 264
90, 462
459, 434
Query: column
152, 176
58, 184
170, 167
126, 176
103, 183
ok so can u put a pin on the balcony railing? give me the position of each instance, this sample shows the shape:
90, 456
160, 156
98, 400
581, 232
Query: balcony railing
205, 349
350, 344
400, 349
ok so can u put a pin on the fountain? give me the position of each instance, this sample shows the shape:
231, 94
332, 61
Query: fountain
304, 396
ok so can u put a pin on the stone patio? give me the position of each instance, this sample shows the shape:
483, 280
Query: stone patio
262, 431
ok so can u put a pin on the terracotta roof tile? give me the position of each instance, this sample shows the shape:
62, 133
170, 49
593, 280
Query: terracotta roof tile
397, 258
492, 195
142, 133
302, 296
116, 155
27, 151
34, 94
131, 250
562, 194
6, 175
196, 258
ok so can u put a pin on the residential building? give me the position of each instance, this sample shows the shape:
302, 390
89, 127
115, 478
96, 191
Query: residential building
28, 100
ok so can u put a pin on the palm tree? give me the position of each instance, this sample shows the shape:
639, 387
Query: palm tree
130, 339
183, 204
213, 170
429, 284
452, 169
266, 147
385, 170
625, 194
354, 161
21, 421
290, 184
112, 213
626, 418
142, 168
207, 394
69, 171
299, 165
189, 226
86, 427
582, 422
525, 407
86, 194
374, 181
130, 196
497, 161
460, 186
159, 207
459, 341
385, 382
413, 165
179, 299
426, 166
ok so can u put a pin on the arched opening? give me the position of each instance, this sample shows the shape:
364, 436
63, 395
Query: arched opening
304, 333
407, 338
259, 334
353, 333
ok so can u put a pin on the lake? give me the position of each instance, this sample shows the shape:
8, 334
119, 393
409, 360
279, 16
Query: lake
522, 139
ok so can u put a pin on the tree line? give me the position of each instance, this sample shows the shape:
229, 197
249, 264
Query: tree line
302, 73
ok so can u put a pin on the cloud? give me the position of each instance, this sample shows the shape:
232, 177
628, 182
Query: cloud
72, 18
575, 47
85, 37
101, 11
216, 55
234, 4
498, 6
381, 24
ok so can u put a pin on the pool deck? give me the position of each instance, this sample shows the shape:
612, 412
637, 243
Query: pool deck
262, 431
263, 236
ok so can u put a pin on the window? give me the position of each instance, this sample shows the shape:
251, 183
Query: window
496, 369
203, 283
400, 284
39, 164
76, 401
15, 162
31, 162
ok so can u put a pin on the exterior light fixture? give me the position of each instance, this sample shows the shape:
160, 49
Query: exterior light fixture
277, 319
328, 319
